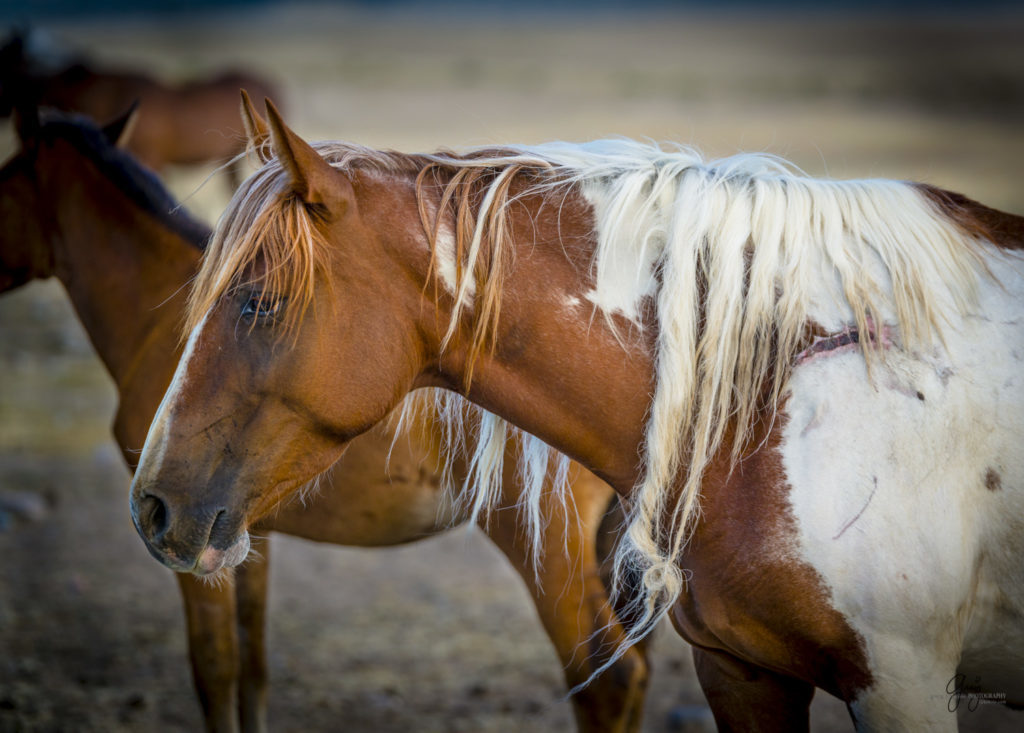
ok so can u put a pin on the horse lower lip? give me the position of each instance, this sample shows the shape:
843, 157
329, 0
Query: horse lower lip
211, 560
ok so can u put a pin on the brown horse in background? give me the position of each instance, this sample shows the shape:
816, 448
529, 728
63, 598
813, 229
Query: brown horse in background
77, 208
187, 123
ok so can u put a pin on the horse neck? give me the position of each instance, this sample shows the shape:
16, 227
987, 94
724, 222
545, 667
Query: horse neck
125, 273
578, 391
557, 369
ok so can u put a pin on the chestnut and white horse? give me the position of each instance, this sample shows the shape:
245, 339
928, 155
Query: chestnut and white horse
808, 391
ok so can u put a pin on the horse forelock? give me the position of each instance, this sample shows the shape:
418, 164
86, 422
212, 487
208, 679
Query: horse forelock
267, 242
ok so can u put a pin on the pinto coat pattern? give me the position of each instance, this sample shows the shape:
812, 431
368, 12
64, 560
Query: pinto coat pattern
827, 522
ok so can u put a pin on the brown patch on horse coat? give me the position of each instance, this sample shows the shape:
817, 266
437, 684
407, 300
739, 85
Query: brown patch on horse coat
750, 596
993, 481
978, 220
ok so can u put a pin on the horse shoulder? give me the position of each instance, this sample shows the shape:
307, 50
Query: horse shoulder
752, 593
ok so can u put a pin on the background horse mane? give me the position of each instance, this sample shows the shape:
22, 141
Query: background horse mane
735, 255
139, 183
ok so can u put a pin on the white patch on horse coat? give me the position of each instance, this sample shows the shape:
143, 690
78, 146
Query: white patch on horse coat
446, 270
626, 274
153, 451
889, 494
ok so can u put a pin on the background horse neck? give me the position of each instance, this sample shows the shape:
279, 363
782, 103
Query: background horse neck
114, 259
126, 274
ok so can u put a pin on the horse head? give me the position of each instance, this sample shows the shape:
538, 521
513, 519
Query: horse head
296, 344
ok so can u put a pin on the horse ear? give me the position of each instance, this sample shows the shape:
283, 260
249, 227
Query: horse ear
313, 179
118, 132
256, 131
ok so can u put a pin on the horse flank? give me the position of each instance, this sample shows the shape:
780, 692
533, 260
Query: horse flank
738, 256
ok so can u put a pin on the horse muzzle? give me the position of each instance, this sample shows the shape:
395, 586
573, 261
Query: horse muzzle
201, 542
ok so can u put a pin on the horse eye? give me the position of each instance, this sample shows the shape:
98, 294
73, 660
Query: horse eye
258, 305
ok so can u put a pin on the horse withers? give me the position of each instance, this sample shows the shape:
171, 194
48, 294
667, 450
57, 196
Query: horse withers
78, 208
820, 379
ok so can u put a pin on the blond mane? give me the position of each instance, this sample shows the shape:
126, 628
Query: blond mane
737, 256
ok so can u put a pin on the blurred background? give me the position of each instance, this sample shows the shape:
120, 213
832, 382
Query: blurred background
439, 636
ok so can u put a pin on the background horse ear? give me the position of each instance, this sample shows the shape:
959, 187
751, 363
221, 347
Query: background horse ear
256, 130
12, 52
314, 180
119, 131
26, 123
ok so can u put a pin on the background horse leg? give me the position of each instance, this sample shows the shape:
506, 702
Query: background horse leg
748, 698
251, 595
573, 605
212, 647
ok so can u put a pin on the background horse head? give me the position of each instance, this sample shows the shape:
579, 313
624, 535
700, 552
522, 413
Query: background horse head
186, 123
37, 217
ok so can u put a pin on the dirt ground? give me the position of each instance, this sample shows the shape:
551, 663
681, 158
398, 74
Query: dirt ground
438, 636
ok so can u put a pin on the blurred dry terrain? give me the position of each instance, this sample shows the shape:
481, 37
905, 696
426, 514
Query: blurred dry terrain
438, 636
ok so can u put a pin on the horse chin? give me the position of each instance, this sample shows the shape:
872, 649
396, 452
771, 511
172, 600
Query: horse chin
212, 560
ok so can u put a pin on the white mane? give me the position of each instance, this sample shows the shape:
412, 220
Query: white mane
756, 252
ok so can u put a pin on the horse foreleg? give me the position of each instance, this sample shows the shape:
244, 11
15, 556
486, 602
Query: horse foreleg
744, 697
572, 603
212, 648
251, 595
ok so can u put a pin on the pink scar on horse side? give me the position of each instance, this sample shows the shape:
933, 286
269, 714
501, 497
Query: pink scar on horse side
846, 340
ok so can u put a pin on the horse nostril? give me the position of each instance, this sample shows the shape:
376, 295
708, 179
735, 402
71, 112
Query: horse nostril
153, 514
219, 525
